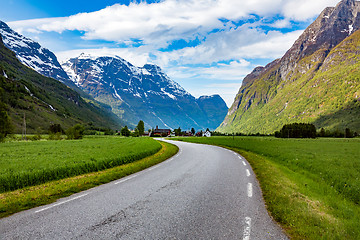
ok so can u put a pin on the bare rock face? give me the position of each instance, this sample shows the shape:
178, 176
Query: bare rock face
332, 26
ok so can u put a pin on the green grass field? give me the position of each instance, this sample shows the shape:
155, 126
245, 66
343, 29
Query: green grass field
46, 193
311, 186
25, 164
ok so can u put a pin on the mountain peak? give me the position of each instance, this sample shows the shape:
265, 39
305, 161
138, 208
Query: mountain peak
32, 54
307, 83
332, 26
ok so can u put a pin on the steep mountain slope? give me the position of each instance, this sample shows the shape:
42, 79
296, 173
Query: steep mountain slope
143, 93
31, 54
315, 81
43, 100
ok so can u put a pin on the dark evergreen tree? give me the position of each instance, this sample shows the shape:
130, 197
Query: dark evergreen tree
141, 128
177, 132
55, 128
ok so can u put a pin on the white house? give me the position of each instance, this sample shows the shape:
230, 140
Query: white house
207, 134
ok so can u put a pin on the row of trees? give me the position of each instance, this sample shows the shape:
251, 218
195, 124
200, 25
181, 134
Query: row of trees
139, 130
297, 130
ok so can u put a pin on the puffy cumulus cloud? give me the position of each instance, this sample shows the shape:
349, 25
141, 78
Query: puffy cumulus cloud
162, 22
305, 9
243, 42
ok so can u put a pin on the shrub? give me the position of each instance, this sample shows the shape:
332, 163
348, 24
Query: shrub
75, 132
55, 128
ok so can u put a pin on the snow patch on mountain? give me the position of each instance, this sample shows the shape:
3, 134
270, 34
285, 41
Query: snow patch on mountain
31, 54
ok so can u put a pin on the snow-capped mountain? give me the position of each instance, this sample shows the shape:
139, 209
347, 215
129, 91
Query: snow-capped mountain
31, 54
134, 93
142, 93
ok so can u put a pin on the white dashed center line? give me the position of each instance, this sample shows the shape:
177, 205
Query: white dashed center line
247, 173
244, 163
249, 190
247, 229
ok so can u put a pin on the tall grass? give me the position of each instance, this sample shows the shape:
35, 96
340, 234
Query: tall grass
25, 164
311, 186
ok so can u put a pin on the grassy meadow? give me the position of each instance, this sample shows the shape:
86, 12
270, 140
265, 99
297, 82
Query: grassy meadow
310, 186
24, 164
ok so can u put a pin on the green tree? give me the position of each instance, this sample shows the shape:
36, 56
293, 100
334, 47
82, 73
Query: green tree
136, 133
348, 133
297, 130
55, 128
125, 131
75, 132
193, 131
5, 122
141, 128
177, 131
322, 132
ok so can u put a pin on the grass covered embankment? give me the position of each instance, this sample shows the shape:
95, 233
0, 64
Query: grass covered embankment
30, 197
311, 186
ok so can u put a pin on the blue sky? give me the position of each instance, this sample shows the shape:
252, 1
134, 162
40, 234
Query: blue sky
208, 46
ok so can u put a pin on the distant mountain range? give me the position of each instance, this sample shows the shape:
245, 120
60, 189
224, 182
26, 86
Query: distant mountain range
132, 93
316, 81
145, 93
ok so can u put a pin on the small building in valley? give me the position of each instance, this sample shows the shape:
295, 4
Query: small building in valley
207, 134
161, 132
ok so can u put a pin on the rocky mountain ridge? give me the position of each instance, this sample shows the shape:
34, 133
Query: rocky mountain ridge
133, 93
281, 92
145, 93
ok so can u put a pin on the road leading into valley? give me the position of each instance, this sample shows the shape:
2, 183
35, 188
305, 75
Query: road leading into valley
203, 192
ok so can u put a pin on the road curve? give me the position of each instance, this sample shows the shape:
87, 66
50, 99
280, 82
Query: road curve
203, 192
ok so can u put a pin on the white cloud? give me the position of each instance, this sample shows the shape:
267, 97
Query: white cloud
244, 42
168, 20
305, 9
158, 24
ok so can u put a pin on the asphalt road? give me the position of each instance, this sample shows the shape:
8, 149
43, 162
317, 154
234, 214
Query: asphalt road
203, 192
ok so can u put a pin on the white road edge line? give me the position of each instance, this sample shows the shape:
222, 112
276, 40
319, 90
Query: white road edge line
247, 229
124, 180
249, 190
248, 173
57, 204
244, 163
240, 157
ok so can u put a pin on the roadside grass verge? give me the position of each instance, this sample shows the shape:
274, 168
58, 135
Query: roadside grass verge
24, 164
310, 186
30, 197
